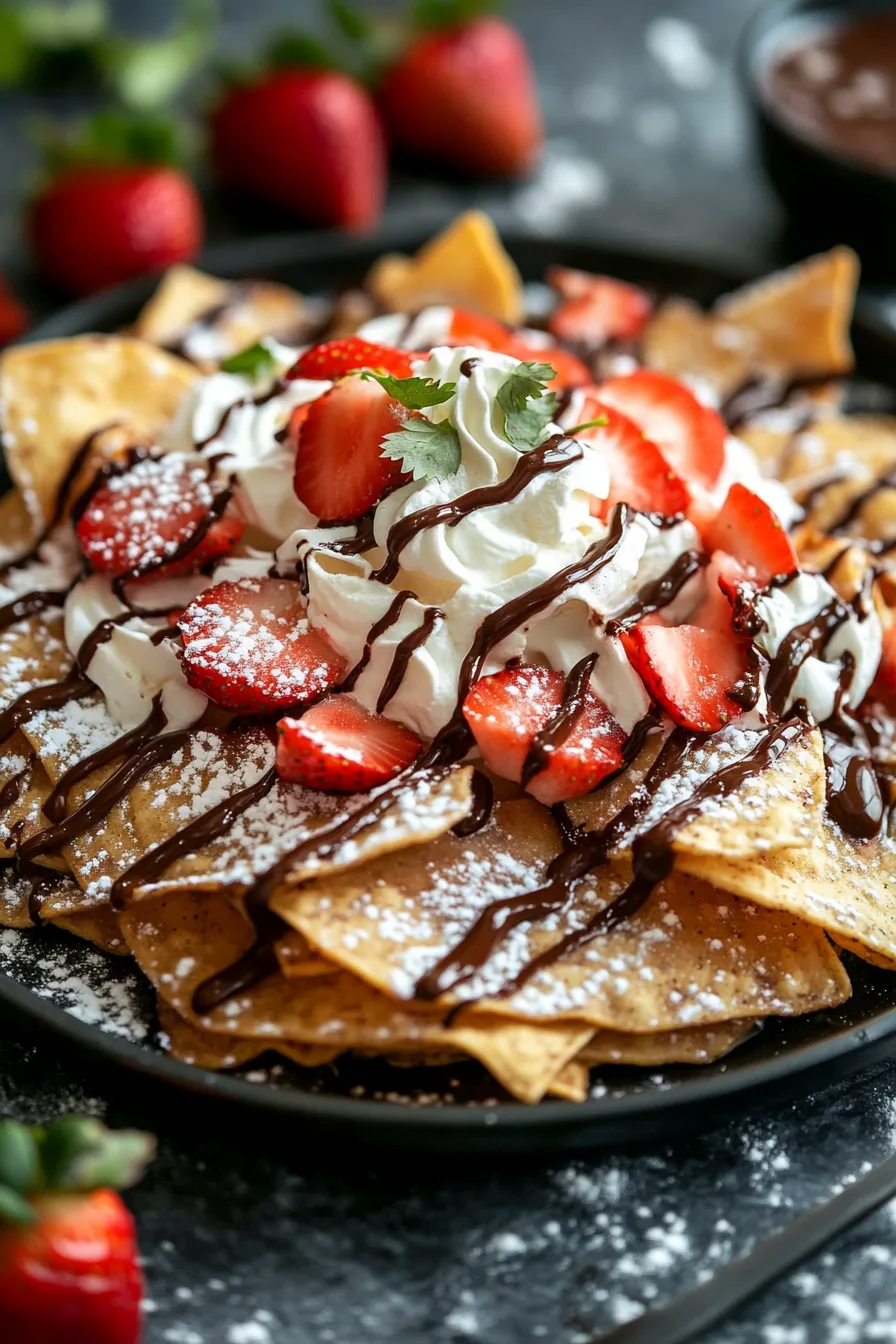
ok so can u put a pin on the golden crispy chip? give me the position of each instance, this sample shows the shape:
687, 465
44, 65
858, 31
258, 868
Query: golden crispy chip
465, 265
692, 955
796, 322
24, 788
297, 961
17, 529
845, 887
100, 927
835, 468
208, 320
682, 340
180, 940
56, 393
212, 1050
571, 1083
693, 1045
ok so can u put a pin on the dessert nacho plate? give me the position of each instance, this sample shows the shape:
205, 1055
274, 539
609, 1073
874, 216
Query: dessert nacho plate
103, 1005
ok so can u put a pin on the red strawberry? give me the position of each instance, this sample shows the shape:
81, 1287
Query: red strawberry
338, 744
884, 687
13, 315
596, 308
639, 473
340, 469
306, 140
69, 1266
507, 710
136, 519
334, 359
471, 328
249, 648
569, 370
691, 436
465, 95
747, 528
118, 208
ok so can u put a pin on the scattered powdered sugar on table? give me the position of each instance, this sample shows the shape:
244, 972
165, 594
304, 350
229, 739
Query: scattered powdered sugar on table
566, 182
679, 47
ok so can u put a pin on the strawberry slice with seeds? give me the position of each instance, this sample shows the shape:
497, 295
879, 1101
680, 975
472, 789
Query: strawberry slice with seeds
340, 470
749, 529
345, 354
472, 328
338, 744
691, 435
142, 516
884, 687
248, 647
639, 473
508, 710
594, 309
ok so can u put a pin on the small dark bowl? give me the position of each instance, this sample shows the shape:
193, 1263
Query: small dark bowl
831, 198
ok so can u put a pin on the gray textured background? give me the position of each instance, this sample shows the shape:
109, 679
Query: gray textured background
251, 1239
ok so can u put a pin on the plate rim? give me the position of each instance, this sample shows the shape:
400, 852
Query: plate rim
381, 1121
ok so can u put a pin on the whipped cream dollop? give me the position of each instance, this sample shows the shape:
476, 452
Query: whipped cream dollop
228, 417
860, 635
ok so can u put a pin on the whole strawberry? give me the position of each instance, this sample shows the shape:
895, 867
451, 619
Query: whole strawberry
463, 93
113, 205
69, 1268
307, 139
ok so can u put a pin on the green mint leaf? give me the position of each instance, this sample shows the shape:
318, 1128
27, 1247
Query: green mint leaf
413, 393
587, 424
255, 362
425, 449
528, 407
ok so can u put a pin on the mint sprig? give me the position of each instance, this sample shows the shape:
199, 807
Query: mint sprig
413, 393
255, 362
424, 449
527, 405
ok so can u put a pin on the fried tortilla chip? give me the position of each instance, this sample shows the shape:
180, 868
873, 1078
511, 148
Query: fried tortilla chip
56, 393
693, 1045
571, 1083
99, 927
681, 340
17, 528
211, 1050
465, 266
25, 789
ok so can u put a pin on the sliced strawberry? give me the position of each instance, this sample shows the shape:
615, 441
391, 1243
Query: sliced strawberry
595, 309
472, 328
149, 512
338, 744
334, 359
691, 435
639, 473
746, 527
506, 712
249, 648
884, 687
340, 469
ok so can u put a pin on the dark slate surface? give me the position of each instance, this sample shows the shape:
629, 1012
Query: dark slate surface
252, 1237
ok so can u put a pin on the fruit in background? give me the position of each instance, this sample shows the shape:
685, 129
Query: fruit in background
113, 204
692, 436
594, 309
305, 138
338, 744
346, 354
14, 317
463, 93
69, 1266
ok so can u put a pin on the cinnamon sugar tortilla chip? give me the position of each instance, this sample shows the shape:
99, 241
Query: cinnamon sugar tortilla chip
682, 340
25, 786
17, 528
693, 1045
180, 940
843, 886
211, 1050
465, 266
297, 960
99, 927
56, 393
850, 453
692, 955
208, 319
796, 322
571, 1083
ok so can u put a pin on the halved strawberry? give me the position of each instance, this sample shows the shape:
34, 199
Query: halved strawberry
338, 744
472, 328
507, 710
639, 473
469, 328
249, 648
148, 512
596, 308
691, 435
334, 359
884, 687
340, 469
747, 528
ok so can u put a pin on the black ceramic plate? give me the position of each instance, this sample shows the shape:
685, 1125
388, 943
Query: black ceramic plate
101, 1005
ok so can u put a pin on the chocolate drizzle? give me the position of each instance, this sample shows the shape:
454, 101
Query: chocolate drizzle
552, 455
12, 789
480, 809
658, 593
74, 686
856, 506
854, 798
404, 652
380, 627
804, 641
54, 808
31, 604
562, 723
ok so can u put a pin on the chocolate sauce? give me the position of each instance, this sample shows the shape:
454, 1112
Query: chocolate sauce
54, 808
12, 789
812, 497
380, 627
855, 507
192, 837
74, 686
748, 687
552, 455
562, 724
854, 798
404, 652
767, 393
804, 641
481, 807
469, 365
658, 593
31, 604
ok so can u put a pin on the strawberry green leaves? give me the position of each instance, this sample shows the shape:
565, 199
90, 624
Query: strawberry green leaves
526, 405
425, 449
415, 394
